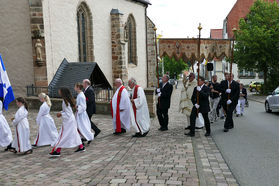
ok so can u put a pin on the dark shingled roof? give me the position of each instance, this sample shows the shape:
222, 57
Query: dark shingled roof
68, 74
147, 2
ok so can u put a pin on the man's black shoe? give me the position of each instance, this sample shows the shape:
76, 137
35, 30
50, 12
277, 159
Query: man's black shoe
164, 129
190, 134
137, 135
237, 115
160, 128
88, 143
226, 130
123, 130
207, 134
187, 128
117, 133
97, 133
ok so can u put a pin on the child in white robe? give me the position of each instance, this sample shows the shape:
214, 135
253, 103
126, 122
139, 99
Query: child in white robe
5, 131
21, 141
83, 122
68, 135
47, 134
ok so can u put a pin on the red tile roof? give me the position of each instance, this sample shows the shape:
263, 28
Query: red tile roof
216, 33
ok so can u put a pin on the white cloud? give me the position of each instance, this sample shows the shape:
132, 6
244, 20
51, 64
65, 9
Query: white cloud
180, 18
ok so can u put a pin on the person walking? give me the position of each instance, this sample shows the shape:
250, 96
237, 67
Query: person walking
241, 101
121, 109
47, 132
186, 105
90, 104
21, 142
68, 135
230, 93
202, 107
83, 122
214, 99
164, 99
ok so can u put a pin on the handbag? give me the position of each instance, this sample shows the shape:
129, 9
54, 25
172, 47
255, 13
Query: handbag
200, 121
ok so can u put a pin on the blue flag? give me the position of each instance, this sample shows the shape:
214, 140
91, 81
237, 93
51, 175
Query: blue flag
6, 91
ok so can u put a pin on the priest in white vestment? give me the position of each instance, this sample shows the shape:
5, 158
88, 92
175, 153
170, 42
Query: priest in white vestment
120, 108
140, 118
186, 105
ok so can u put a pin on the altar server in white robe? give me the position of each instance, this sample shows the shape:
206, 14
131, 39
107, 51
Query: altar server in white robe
83, 122
68, 135
6, 137
140, 118
21, 141
121, 107
47, 134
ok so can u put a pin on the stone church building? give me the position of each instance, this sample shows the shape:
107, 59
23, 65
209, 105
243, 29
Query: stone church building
36, 35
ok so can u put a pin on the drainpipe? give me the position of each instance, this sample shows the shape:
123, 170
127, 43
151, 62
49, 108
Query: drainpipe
146, 41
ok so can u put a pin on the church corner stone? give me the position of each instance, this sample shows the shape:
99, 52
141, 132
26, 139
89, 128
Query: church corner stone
151, 54
38, 42
119, 67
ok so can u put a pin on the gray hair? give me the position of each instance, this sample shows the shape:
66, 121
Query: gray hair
87, 81
133, 80
119, 80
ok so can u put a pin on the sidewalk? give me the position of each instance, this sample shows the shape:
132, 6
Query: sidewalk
257, 98
162, 158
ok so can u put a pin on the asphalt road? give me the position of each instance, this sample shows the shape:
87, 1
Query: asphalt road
251, 149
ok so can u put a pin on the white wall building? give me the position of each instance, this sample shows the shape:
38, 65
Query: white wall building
112, 33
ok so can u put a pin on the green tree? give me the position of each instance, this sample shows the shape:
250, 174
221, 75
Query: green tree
174, 67
257, 40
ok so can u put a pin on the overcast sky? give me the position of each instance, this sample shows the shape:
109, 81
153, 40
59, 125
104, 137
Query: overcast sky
180, 18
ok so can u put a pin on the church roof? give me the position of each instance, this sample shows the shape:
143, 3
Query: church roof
68, 74
147, 2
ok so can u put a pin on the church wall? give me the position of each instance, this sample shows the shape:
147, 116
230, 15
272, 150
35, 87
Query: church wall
62, 41
15, 44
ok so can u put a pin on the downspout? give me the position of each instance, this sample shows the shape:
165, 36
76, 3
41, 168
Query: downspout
146, 42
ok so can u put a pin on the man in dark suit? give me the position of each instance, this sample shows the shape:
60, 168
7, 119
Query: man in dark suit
201, 107
90, 103
164, 98
229, 99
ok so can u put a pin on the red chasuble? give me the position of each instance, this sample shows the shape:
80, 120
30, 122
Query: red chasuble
134, 105
118, 121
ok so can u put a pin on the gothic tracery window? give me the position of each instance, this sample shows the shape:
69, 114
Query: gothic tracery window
85, 33
132, 40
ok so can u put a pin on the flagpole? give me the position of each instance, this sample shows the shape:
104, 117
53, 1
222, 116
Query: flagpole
199, 53
156, 53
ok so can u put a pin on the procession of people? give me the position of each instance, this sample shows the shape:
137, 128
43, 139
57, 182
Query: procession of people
199, 102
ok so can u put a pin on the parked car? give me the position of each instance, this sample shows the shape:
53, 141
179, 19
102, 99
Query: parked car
255, 86
272, 101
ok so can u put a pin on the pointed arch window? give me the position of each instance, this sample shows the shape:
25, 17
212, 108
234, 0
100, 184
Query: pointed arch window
85, 33
132, 40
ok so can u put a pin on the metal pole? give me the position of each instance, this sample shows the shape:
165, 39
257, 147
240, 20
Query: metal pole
156, 53
199, 53
232, 60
